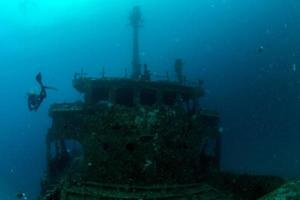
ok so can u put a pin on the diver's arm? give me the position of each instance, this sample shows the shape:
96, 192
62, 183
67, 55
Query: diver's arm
50, 88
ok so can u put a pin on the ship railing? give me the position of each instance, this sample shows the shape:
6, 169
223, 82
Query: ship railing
155, 77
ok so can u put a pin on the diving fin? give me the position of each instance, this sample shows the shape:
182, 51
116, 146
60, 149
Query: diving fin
39, 78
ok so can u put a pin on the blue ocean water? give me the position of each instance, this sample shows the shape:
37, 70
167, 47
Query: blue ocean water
247, 53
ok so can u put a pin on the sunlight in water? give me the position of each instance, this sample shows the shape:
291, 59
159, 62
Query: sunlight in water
43, 12
47, 12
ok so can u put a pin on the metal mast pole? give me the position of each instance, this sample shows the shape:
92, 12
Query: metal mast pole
136, 20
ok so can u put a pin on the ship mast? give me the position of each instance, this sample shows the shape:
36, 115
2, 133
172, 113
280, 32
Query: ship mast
136, 20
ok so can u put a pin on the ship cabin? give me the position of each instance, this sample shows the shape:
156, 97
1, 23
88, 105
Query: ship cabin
132, 93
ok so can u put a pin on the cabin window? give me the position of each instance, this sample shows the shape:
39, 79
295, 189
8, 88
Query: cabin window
185, 102
74, 148
100, 94
188, 105
70, 148
185, 97
210, 148
106, 147
52, 150
65, 154
124, 96
131, 147
169, 98
148, 97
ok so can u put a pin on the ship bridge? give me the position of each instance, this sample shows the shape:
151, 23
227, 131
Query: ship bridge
130, 92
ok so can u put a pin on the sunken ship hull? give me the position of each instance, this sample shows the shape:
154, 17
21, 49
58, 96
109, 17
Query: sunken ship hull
130, 137
137, 133
140, 140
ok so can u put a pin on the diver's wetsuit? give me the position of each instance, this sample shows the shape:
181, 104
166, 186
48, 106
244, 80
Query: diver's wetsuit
35, 100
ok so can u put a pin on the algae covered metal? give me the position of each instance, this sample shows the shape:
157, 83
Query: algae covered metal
289, 191
139, 133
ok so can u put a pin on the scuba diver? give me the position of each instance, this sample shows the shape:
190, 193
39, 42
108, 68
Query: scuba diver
35, 100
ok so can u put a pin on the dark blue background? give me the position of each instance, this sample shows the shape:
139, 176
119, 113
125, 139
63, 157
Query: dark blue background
256, 93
